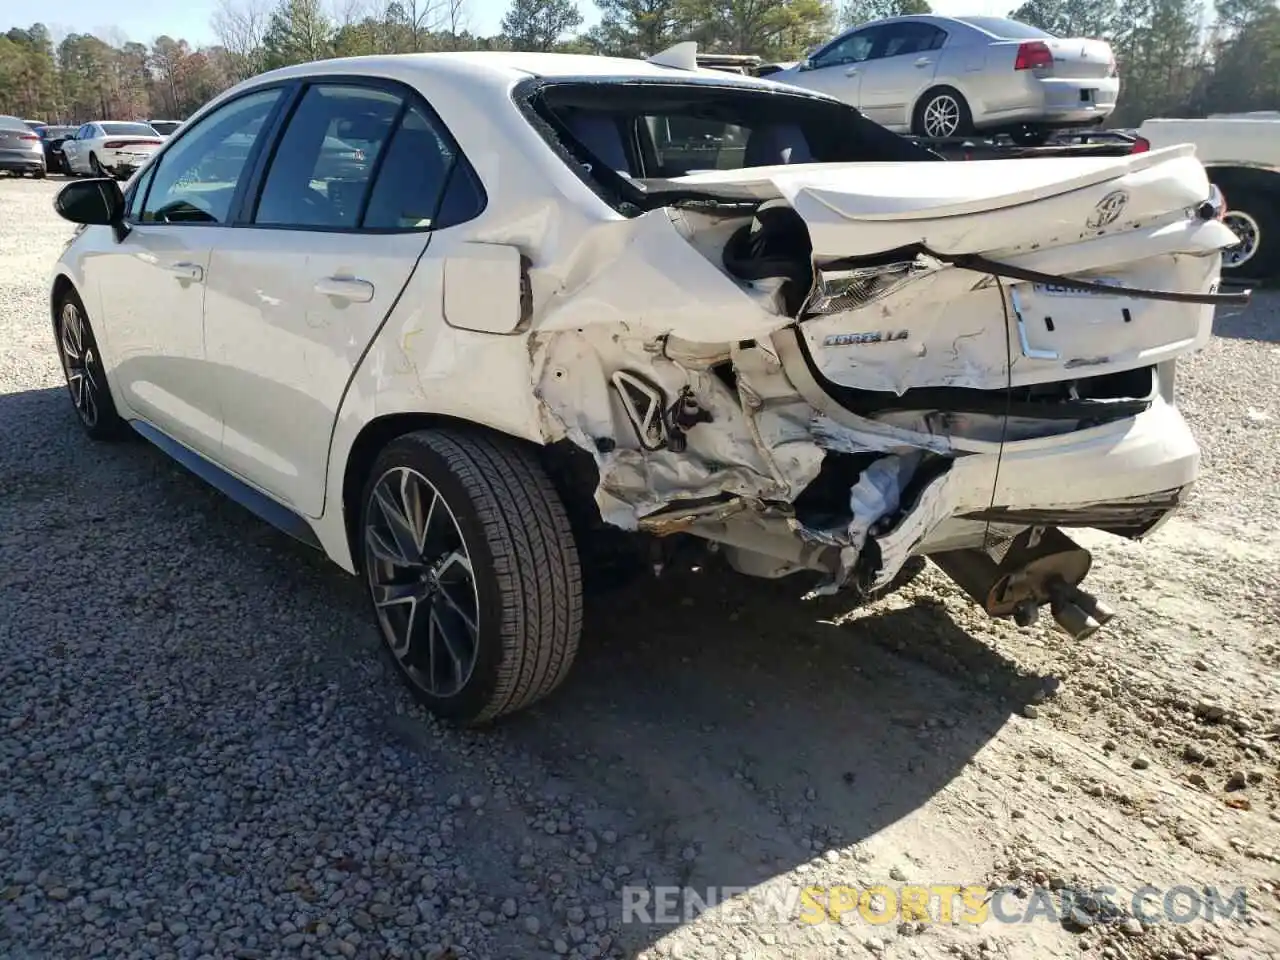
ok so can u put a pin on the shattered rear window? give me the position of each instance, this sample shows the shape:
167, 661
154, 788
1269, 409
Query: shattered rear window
627, 131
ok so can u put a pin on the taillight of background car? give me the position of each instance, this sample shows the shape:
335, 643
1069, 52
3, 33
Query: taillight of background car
119, 144
1140, 145
1033, 55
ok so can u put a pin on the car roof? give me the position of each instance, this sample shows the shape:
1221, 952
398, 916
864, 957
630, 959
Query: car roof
501, 67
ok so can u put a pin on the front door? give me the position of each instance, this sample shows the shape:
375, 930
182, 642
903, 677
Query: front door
71, 149
298, 292
901, 67
154, 281
837, 69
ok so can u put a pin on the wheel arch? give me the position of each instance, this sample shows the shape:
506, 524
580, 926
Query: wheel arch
61, 286
572, 471
936, 87
1265, 177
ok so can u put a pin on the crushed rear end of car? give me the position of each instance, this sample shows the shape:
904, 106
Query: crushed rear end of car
837, 366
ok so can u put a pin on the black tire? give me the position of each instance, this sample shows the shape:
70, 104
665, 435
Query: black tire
1253, 204
921, 123
84, 373
97, 169
524, 573
1029, 137
39, 174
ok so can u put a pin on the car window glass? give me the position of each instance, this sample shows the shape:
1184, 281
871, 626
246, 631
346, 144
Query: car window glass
322, 166
128, 130
138, 192
197, 176
852, 49
407, 191
909, 38
685, 144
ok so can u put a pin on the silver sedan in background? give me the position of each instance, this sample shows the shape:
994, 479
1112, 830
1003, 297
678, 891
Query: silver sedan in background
20, 148
940, 76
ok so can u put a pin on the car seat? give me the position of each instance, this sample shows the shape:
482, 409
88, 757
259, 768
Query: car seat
776, 144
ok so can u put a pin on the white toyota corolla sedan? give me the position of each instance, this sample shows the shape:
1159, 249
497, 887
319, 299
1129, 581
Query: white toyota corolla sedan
541, 306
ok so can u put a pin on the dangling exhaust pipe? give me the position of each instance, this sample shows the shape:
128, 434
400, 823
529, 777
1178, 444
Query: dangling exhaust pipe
1037, 567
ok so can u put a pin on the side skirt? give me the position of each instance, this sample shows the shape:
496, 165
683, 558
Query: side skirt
259, 504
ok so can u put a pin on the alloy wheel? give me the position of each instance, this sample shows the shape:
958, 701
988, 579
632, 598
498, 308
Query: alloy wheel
78, 361
1246, 228
942, 116
421, 580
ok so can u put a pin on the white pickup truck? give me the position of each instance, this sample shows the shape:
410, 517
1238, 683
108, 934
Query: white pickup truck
1242, 155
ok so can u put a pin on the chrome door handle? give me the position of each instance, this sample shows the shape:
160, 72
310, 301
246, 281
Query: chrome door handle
346, 288
187, 271
852, 71
923, 62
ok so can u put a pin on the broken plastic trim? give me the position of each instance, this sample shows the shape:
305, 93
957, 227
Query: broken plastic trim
838, 291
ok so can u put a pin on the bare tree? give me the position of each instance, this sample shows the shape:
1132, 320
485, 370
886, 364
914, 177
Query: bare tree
456, 21
240, 26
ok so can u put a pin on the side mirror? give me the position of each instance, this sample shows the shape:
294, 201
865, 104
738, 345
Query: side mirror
98, 201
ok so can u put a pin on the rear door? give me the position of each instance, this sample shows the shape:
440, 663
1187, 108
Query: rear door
321, 256
901, 67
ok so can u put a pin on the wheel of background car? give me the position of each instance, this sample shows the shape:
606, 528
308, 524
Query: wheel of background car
942, 113
1253, 214
82, 366
472, 571
95, 167
1029, 137
39, 174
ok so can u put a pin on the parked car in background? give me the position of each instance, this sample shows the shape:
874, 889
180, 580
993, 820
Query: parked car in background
52, 138
705, 304
164, 127
110, 148
943, 77
20, 149
1242, 154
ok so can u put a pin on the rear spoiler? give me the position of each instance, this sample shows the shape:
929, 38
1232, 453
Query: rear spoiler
1095, 143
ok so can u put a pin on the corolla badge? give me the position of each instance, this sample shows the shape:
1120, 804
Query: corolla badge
1108, 210
853, 339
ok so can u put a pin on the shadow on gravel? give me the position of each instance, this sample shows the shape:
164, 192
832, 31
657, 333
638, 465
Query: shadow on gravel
747, 735
714, 722
1260, 320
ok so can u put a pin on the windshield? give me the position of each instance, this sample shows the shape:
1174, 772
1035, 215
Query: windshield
53, 133
1006, 29
112, 129
638, 136
165, 126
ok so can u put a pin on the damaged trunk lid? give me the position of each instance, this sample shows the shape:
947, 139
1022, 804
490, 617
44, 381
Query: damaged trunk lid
896, 303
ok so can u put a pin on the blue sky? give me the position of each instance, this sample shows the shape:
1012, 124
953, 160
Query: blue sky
144, 20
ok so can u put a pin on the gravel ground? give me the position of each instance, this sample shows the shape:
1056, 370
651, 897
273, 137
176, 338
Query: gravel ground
205, 753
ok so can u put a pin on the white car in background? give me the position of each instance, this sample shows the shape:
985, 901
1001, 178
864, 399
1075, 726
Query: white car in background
1241, 153
113, 148
565, 301
938, 76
